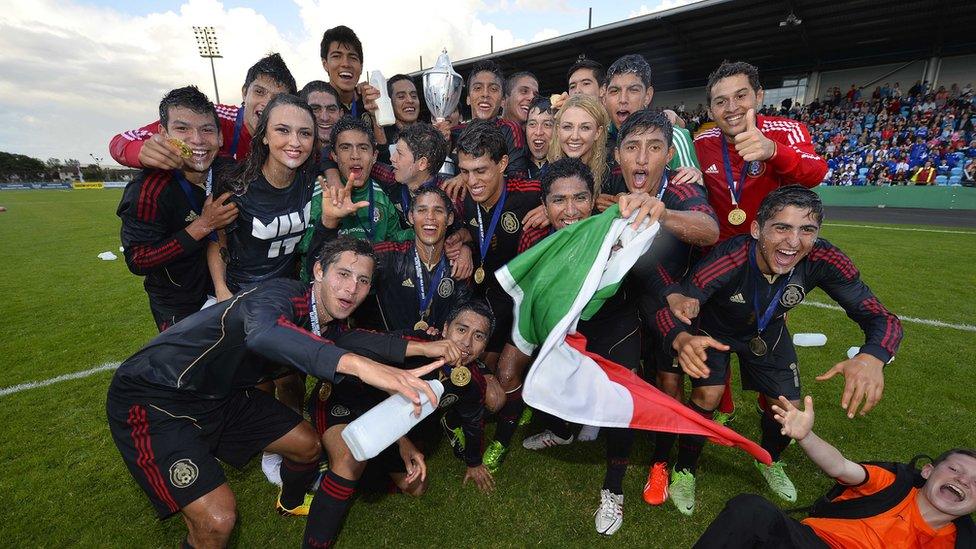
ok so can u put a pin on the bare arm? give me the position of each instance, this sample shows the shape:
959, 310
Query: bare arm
218, 269
798, 424
691, 227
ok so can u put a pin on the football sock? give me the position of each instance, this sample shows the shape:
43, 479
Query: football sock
508, 417
773, 441
619, 443
726, 405
296, 478
663, 442
561, 428
185, 544
690, 446
332, 501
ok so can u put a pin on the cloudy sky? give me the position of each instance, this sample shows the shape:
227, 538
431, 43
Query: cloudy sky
74, 73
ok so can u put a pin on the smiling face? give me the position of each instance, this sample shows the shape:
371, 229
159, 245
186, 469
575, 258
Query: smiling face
569, 200
584, 82
430, 218
406, 105
355, 154
257, 96
199, 131
484, 95
469, 331
732, 97
950, 486
344, 67
517, 103
577, 133
785, 239
625, 94
342, 285
643, 155
538, 133
482, 177
290, 137
327, 112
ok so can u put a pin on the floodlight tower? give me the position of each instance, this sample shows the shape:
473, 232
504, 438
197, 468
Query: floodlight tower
207, 44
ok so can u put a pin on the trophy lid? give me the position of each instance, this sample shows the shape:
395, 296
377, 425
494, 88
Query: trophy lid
443, 65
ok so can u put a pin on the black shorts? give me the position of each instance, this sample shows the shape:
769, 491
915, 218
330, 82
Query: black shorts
617, 339
167, 316
773, 374
339, 406
502, 305
172, 447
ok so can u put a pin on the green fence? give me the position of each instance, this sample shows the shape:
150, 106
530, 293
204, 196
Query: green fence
939, 198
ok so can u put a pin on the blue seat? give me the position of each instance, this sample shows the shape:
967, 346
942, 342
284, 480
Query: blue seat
941, 180
955, 181
955, 171
862, 170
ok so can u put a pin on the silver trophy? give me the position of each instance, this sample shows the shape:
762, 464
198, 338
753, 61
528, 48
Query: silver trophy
442, 87
442, 90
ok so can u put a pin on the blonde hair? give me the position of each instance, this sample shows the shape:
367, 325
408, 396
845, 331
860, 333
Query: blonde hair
598, 152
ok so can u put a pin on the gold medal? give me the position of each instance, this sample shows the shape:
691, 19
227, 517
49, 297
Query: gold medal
737, 216
758, 346
185, 150
325, 391
479, 275
460, 376
421, 325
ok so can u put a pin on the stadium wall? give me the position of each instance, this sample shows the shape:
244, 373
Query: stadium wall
936, 198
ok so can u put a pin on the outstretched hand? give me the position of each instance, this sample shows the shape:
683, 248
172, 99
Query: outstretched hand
693, 354
863, 382
337, 203
796, 423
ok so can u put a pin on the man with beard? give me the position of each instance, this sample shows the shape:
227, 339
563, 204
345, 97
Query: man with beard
746, 285
145, 148
167, 215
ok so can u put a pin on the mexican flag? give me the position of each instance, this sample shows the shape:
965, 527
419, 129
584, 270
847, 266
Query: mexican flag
565, 278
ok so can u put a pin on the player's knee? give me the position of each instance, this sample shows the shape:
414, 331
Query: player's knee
706, 399
416, 489
310, 451
216, 523
494, 397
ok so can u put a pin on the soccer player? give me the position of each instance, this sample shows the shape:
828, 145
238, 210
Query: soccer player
613, 332
406, 110
419, 152
747, 156
355, 152
520, 89
491, 214
585, 77
874, 505
167, 216
342, 58
324, 101
141, 148
746, 285
184, 401
538, 134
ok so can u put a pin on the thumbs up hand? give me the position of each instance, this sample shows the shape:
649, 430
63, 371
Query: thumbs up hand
751, 144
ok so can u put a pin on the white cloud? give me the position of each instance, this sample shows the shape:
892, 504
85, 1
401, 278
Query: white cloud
82, 74
545, 34
660, 6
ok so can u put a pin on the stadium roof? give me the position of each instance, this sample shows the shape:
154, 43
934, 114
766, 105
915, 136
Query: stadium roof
684, 44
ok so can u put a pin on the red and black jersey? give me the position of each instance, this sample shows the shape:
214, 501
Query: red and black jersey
398, 287
726, 284
125, 147
155, 212
262, 241
229, 346
517, 150
794, 162
400, 194
523, 195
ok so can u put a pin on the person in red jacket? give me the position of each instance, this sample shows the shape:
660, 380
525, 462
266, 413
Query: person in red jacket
747, 156
145, 148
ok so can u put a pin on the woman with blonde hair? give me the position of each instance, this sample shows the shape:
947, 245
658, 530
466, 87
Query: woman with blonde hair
581, 132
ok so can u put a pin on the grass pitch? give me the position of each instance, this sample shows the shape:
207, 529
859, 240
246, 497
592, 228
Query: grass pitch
62, 481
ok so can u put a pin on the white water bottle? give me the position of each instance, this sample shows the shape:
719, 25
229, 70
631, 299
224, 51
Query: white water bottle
809, 340
384, 111
386, 422
853, 352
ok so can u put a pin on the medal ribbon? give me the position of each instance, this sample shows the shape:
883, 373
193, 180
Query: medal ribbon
188, 191
425, 298
735, 190
485, 242
405, 194
370, 227
313, 315
763, 321
238, 124
664, 184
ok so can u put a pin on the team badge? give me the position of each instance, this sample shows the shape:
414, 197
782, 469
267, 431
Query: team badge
448, 400
376, 215
183, 473
510, 223
792, 296
445, 288
756, 168
340, 411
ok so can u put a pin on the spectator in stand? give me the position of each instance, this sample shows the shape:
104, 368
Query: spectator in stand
969, 173
924, 175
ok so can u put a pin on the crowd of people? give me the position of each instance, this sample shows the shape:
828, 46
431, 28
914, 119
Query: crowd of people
294, 236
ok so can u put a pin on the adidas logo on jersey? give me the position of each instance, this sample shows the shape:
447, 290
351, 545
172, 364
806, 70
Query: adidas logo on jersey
712, 169
408, 283
737, 298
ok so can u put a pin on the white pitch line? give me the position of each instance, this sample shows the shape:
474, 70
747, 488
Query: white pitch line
4, 391
913, 320
829, 224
